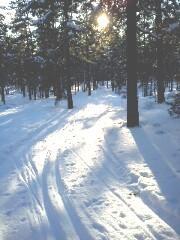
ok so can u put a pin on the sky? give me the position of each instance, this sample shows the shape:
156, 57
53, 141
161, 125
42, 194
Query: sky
6, 13
4, 2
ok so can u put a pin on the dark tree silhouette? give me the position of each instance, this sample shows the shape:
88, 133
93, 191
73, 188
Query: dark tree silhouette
160, 80
132, 101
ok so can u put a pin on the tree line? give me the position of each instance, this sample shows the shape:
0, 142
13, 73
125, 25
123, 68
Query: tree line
54, 45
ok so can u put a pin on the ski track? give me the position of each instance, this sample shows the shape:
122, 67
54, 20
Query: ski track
104, 181
119, 197
26, 169
76, 221
54, 206
51, 203
148, 230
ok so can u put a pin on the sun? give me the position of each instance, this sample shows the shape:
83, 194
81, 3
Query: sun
102, 21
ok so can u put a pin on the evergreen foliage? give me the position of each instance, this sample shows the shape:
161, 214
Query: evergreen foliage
52, 46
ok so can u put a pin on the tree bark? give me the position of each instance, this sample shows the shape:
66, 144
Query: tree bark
67, 56
88, 79
160, 80
3, 95
132, 100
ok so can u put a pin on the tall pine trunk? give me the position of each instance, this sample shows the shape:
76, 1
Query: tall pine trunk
67, 55
2, 95
132, 100
159, 44
88, 79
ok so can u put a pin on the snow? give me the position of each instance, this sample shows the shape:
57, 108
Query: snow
73, 26
4, 3
39, 59
173, 27
81, 174
43, 19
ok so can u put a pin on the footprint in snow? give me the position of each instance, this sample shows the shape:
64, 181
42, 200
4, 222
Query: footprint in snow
88, 204
99, 150
133, 178
23, 219
20, 185
114, 212
156, 125
99, 202
121, 151
83, 176
73, 180
92, 182
14, 231
94, 201
123, 226
99, 227
70, 164
143, 185
160, 132
134, 193
145, 174
122, 215
6, 194
8, 213
144, 123
107, 204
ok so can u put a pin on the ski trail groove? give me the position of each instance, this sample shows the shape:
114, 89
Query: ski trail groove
57, 214
141, 223
75, 219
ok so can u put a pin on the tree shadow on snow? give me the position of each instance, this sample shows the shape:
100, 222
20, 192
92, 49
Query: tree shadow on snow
167, 181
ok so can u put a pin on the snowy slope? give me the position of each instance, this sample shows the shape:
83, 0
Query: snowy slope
81, 174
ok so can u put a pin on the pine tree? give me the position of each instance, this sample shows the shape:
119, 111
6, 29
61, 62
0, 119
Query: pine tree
3, 31
160, 77
24, 46
132, 101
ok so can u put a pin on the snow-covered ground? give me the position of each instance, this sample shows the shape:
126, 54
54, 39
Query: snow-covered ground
81, 174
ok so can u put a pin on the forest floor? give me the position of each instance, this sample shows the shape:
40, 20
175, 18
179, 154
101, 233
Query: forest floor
82, 174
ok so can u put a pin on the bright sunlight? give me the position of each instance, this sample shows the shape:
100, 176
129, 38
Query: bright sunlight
102, 21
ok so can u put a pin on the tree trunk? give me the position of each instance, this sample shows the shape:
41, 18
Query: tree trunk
159, 44
3, 95
132, 100
112, 85
24, 90
29, 92
59, 83
88, 80
94, 84
67, 56
35, 93
78, 86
